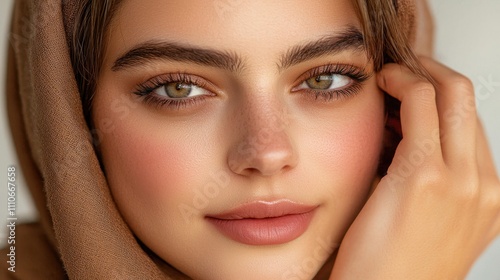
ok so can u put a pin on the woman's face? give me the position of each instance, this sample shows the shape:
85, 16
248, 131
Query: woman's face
239, 138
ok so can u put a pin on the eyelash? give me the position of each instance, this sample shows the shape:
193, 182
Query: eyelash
357, 75
146, 89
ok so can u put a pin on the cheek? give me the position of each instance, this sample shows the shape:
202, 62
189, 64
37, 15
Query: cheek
356, 141
345, 144
151, 161
155, 165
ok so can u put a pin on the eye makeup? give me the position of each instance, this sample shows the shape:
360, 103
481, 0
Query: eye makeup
352, 75
147, 90
335, 81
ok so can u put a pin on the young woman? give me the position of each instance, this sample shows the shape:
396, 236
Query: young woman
247, 140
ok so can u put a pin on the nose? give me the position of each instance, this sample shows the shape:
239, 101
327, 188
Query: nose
263, 146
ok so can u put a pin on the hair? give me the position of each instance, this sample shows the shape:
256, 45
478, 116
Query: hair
88, 44
385, 41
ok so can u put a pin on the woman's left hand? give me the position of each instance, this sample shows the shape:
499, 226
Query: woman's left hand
438, 207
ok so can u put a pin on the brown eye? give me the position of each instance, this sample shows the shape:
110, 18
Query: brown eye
321, 82
178, 90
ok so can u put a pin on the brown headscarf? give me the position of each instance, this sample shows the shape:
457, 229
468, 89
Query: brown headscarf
80, 233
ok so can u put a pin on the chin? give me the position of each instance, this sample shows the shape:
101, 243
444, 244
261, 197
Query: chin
216, 256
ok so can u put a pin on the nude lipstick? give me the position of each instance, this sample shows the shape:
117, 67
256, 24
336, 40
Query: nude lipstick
264, 223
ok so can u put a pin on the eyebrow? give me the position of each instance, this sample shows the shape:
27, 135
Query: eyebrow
153, 50
349, 39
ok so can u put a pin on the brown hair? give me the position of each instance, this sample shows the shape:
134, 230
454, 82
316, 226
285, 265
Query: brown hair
88, 44
384, 37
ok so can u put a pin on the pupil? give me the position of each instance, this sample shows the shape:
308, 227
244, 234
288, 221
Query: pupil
321, 82
178, 90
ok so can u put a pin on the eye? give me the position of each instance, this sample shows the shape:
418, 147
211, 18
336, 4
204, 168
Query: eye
177, 90
326, 82
332, 81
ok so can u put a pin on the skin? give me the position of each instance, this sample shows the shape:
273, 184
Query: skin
159, 161
447, 203
424, 42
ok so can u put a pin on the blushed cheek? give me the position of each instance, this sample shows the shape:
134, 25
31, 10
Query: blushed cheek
151, 170
358, 147
348, 149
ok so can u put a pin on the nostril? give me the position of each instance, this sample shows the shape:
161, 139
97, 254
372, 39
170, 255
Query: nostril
272, 162
251, 170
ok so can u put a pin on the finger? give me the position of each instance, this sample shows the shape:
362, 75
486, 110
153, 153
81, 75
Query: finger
489, 178
485, 160
424, 42
457, 114
419, 116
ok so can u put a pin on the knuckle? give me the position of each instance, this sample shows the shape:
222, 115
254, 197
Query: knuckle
466, 187
429, 179
462, 87
467, 191
424, 88
491, 198
462, 83
424, 91
495, 202
444, 185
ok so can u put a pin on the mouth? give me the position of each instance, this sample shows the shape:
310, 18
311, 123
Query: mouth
264, 223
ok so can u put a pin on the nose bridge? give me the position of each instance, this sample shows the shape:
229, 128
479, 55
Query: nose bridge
264, 145
263, 116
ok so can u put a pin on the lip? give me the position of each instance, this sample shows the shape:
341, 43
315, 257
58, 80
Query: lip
263, 222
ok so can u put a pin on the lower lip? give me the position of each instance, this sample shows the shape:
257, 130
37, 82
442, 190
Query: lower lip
268, 231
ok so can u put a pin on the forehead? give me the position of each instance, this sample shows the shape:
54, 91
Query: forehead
239, 25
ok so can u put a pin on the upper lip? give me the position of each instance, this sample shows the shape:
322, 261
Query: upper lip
264, 209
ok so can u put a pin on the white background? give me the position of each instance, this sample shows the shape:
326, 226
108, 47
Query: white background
467, 39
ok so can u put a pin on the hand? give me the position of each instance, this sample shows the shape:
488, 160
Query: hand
424, 32
438, 207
